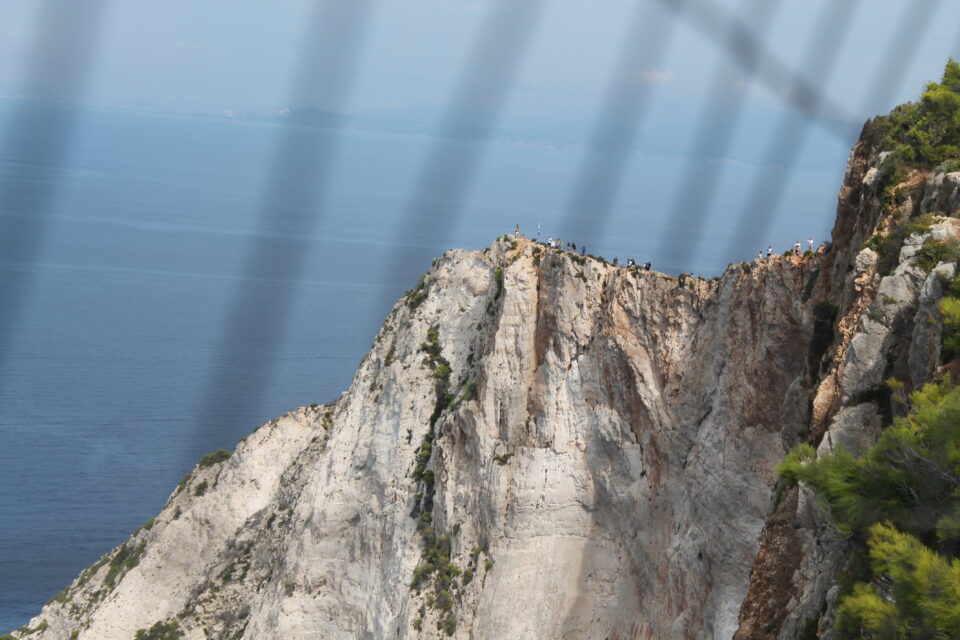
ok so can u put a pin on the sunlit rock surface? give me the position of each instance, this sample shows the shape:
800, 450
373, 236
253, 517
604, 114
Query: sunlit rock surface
540, 445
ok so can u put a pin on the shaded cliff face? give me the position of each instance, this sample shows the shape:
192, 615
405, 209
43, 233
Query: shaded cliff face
884, 282
543, 446
601, 467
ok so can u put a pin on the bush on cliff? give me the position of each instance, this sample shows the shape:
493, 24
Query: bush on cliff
910, 477
919, 596
161, 631
902, 499
216, 457
924, 133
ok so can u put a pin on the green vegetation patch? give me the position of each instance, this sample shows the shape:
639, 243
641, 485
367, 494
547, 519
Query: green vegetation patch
901, 501
418, 294
933, 252
436, 572
923, 134
950, 313
25, 631
160, 631
924, 585
439, 367
888, 245
216, 457
127, 557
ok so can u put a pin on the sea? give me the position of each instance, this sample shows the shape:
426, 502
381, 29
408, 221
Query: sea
151, 218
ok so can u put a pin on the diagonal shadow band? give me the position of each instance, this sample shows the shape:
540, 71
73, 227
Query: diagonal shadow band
291, 204
616, 131
715, 24
720, 115
472, 111
40, 138
767, 190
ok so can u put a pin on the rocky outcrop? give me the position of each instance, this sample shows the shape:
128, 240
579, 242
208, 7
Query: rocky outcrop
941, 194
596, 447
888, 328
541, 445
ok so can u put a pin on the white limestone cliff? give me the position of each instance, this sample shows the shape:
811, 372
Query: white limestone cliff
540, 445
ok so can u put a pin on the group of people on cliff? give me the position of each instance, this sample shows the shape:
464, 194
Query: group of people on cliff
797, 248
557, 243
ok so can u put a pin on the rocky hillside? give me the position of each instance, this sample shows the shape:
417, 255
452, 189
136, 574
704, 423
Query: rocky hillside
540, 445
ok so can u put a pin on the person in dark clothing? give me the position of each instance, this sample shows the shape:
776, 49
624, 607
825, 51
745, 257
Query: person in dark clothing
615, 261
583, 249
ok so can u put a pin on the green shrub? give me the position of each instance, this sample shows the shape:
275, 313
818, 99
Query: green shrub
214, 458
800, 456
875, 242
933, 252
921, 224
888, 246
902, 496
925, 588
498, 278
161, 631
126, 558
450, 624
501, 459
27, 631
184, 481
909, 477
950, 313
418, 294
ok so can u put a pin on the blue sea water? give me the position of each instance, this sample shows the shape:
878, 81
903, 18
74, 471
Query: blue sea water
128, 296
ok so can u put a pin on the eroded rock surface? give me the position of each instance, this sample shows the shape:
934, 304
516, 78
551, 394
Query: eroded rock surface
540, 445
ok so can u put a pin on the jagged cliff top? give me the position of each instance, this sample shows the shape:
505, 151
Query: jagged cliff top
542, 445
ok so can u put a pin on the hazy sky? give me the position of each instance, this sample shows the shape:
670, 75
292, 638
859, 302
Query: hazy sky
217, 55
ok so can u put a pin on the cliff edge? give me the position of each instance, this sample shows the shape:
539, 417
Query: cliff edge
541, 445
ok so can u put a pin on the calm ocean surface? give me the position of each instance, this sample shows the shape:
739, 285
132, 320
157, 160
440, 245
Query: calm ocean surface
101, 384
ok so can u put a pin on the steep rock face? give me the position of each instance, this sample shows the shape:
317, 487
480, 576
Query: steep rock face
888, 326
540, 445
601, 468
